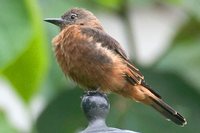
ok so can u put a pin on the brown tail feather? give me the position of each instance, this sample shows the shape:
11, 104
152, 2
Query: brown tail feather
142, 94
168, 112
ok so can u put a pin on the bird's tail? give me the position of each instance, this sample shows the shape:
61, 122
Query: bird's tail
168, 111
149, 97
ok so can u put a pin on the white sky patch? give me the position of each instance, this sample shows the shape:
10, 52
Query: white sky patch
19, 115
37, 105
154, 28
14, 108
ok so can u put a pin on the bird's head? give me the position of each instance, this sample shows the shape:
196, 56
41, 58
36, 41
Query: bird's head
76, 16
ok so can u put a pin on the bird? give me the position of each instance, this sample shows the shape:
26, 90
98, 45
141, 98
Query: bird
96, 61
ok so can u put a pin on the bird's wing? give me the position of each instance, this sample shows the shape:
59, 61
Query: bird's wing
133, 75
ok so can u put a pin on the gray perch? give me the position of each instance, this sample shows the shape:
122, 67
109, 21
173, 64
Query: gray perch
96, 108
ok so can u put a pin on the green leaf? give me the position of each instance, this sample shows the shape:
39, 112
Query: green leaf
63, 114
15, 31
5, 126
26, 72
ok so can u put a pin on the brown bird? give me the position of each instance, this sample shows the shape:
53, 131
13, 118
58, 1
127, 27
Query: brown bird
93, 59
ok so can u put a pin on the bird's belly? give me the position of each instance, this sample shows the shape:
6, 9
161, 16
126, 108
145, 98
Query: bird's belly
92, 67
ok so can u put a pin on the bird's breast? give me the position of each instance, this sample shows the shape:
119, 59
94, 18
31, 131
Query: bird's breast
86, 61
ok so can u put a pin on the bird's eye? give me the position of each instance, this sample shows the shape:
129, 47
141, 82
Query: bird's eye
73, 16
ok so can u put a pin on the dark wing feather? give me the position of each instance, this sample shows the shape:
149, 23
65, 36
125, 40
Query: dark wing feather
105, 39
134, 76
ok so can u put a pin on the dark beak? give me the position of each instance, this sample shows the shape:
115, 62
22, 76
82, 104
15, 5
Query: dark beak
56, 21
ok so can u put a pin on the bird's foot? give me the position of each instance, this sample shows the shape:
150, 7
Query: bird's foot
95, 91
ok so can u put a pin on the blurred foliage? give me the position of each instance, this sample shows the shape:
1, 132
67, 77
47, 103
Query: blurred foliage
16, 29
61, 115
25, 58
110, 4
185, 51
5, 126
